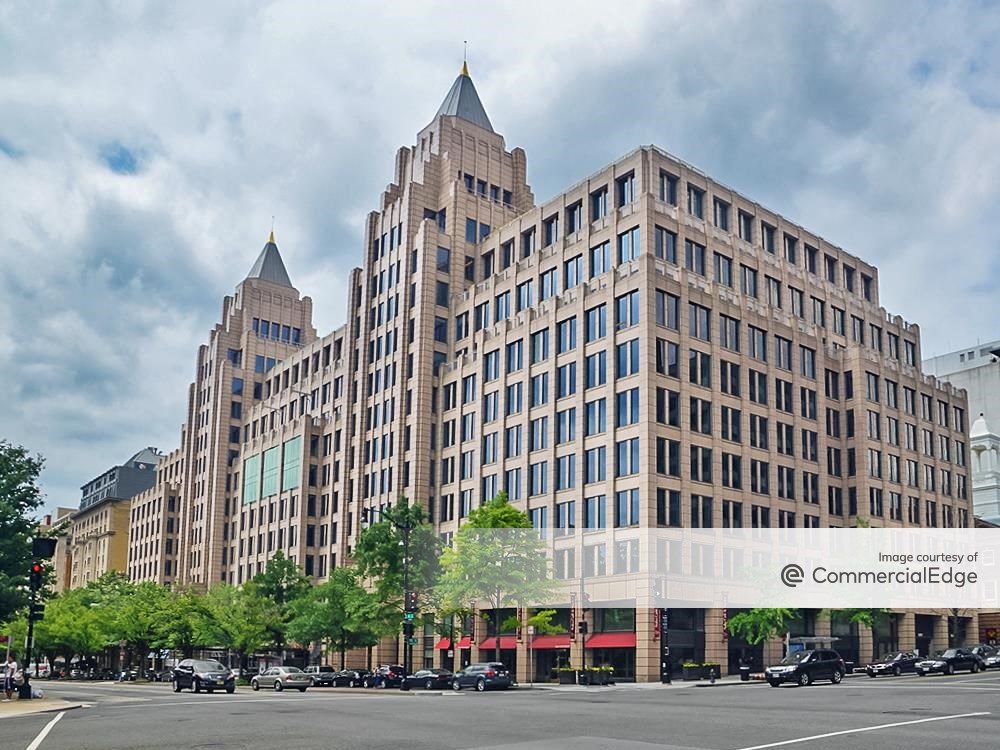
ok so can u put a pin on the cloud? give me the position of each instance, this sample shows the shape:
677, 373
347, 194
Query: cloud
145, 147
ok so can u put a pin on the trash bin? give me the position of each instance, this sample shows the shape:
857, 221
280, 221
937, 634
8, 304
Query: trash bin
744, 674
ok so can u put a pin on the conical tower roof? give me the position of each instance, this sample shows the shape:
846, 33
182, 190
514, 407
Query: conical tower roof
269, 265
463, 101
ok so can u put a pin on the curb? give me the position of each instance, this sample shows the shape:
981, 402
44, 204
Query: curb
45, 710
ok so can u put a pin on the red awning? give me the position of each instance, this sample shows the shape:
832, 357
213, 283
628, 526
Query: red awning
443, 645
611, 640
550, 641
506, 641
466, 642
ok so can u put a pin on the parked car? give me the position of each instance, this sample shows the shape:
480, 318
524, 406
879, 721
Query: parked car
203, 674
804, 667
895, 664
988, 654
386, 676
163, 675
321, 675
431, 679
950, 660
282, 677
351, 678
482, 677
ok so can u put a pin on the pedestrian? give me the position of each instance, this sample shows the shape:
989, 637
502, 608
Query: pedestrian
10, 669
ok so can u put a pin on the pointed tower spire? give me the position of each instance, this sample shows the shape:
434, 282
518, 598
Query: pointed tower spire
465, 59
462, 101
269, 266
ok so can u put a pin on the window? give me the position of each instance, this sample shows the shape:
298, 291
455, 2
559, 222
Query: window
696, 202
701, 464
668, 457
628, 245
538, 434
758, 387
599, 204
527, 242
627, 310
600, 259
812, 254
668, 188
441, 330
758, 431
573, 271
798, 302
565, 426
701, 416
540, 389
767, 233
548, 284
819, 312
721, 214
596, 324
731, 424
550, 230
574, 218
627, 408
807, 362
595, 469
502, 304
667, 358
701, 518
470, 230
443, 259
566, 380
699, 325
627, 508
665, 244
694, 257
593, 512
760, 477
625, 189
668, 407
668, 507
791, 249
700, 368
627, 457
724, 270
729, 373
566, 331
596, 413
749, 281
627, 358
538, 479
540, 346
746, 226
596, 370
783, 353
515, 355
525, 295
729, 333
757, 343
773, 287
667, 309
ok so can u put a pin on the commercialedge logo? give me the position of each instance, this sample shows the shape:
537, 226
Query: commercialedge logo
793, 574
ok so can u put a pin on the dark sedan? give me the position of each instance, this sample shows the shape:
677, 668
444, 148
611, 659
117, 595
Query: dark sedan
203, 674
949, 661
893, 664
482, 677
431, 679
352, 678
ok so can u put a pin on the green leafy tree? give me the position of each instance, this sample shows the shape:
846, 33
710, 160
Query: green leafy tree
758, 625
139, 617
541, 621
183, 621
869, 618
487, 564
380, 550
282, 582
20, 497
237, 619
339, 613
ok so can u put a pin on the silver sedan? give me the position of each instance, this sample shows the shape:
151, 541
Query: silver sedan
280, 678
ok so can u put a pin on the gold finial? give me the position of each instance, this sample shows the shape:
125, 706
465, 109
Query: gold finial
271, 237
465, 64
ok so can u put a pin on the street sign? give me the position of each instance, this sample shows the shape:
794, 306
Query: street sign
412, 641
408, 616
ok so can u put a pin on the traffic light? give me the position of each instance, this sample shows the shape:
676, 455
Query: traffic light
35, 579
408, 629
411, 601
36, 612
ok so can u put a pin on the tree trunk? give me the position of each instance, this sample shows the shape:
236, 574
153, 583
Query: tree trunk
496, 631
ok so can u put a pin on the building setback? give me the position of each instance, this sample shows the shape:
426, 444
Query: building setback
648, 348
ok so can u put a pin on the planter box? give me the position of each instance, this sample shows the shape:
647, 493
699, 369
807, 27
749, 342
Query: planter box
691, 673
567, 678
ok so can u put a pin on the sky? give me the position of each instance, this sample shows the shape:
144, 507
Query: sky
145, 148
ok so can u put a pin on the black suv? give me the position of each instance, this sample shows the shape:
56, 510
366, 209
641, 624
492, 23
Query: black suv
203, 674
482, 676
804, 667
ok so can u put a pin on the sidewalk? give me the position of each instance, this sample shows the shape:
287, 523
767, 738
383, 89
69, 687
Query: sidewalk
728, 681
18, 708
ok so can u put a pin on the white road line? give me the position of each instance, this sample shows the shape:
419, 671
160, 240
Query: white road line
226, 702
45, 732
862, 729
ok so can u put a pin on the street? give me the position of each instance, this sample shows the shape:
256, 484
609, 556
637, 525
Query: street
890, 713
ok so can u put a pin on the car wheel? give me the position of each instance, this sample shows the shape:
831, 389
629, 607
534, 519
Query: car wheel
921, 673
949, 669
773, 683
804, 679
177, 686
366, 683
429, 685
480, 685
254, 685
231, 689
211, 690
837, 677
872, 675
302, 690
975, 667
456, 686
350, 683
196, 686
278, 686
896, 671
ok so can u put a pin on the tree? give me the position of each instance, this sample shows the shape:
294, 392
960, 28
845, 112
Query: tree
139, 618
183, 621
867, 617
758, 625
379, 555
281, 582
19, 497
496, 557
237, 619
339, 613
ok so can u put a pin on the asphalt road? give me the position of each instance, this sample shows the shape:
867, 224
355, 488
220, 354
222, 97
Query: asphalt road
891, 714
